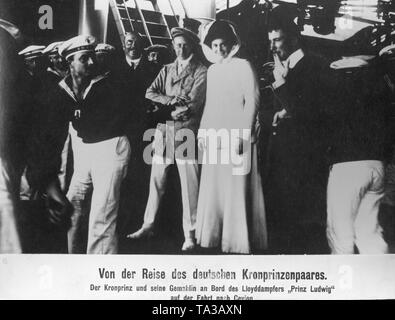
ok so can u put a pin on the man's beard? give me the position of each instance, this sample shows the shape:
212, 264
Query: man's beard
281, 55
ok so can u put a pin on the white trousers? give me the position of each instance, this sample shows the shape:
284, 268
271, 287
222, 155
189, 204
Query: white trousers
355, 190
188, 172
99, 169
9, 237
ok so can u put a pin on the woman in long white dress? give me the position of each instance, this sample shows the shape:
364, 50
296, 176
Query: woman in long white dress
231, 211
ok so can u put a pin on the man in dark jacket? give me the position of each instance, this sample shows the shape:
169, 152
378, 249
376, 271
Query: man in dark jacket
295, 171
56, 71
137, 74
141, 72
10, 241
358, 146
32, 80
41, 223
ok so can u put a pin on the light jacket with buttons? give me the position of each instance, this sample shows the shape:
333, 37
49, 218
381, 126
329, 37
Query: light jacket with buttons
191, 82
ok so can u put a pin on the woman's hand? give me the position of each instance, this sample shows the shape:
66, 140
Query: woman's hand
201, 144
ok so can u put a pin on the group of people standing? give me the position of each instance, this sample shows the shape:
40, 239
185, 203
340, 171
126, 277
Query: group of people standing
280, 202
216, 207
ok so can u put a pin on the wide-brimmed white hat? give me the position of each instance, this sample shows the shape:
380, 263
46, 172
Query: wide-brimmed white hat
215, 30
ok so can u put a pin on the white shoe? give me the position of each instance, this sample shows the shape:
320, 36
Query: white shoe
143, 232
189, 245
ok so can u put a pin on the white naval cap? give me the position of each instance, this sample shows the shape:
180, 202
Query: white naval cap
32, 51
77, 44
52, 48
104, 48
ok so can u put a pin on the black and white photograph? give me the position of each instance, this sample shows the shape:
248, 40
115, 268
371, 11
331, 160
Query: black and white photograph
197, 149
